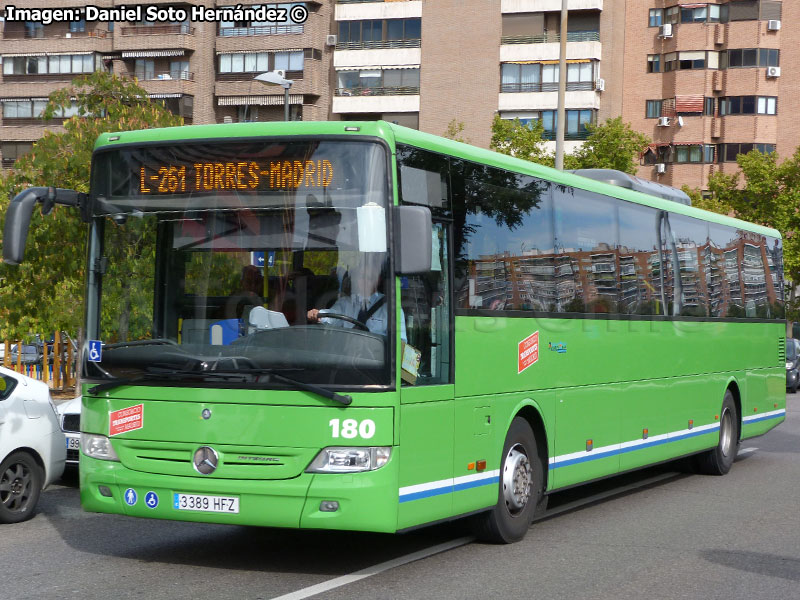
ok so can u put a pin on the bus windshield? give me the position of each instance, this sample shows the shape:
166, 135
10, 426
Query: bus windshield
270, 257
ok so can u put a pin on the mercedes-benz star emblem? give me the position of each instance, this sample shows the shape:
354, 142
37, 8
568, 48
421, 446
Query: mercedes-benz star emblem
205, 460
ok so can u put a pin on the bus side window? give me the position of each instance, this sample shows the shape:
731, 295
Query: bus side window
425, 300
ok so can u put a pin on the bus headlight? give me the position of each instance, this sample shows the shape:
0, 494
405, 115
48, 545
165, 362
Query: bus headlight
349, 460
98, 446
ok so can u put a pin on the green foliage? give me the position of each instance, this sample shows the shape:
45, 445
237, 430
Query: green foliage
454, 131
767, 192
612, 145
45, 293
515, 139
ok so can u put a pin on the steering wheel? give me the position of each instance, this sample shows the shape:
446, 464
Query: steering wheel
355, 322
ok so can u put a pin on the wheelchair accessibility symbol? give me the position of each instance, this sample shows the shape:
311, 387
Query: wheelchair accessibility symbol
95, 350
151, 499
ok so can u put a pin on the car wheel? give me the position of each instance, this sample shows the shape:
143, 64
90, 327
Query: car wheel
20, 486
520, 489
719, 460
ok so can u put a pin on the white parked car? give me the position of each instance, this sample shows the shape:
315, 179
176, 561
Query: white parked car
32, 446
69, 416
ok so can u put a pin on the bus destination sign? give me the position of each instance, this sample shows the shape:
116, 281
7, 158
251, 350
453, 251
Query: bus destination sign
235, 175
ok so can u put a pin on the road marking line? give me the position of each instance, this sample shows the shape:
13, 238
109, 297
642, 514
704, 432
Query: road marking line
746, 451
375, 569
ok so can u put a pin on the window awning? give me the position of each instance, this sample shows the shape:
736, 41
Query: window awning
694, 5
26, 99
570, 61
151, 53
259, 51
32, 54
687, 143
374, 68
271, 100
692, 104
163, 96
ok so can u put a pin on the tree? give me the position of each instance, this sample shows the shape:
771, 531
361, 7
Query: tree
612, 145
768, 193
45, 293
523, 141
455, 131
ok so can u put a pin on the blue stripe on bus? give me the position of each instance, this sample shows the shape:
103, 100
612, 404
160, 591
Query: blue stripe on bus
765, 418
448, 489
605, 454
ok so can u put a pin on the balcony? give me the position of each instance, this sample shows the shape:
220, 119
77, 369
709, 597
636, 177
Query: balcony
166, 76
265, 30
572, 36
177, 29
377, 91
572, 86
378, 45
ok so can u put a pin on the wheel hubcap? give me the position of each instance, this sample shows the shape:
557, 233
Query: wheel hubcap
15, 488
517, 476
726, 433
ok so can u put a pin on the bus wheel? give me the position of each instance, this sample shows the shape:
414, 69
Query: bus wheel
719, 460
20, 484
520, 488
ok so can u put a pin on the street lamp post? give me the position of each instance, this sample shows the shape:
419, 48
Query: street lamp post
277, 78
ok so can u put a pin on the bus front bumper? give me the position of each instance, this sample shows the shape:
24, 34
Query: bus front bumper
366, 501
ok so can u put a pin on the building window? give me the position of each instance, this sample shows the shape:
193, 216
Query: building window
34, 29
540, 77
656, 17
708, 107
377, 82
743, 58
729, 152
77, 26
253, 62
243, 28
575, 127
653, 63
654, 108
672, 14
14, 150
387, 33
689, 154
43, 65
748, 105
698, 59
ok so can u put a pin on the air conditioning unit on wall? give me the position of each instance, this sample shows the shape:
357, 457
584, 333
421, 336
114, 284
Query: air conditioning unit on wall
600, 85
330, 40
773, 71
665, 31
773, 25
661, 168
663, 121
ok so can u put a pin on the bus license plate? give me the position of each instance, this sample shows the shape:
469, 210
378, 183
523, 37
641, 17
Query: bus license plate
215, 504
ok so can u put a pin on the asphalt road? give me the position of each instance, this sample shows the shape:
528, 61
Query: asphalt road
661, 533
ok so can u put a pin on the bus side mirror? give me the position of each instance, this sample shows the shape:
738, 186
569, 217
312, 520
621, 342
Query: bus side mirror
20, 209
413, 239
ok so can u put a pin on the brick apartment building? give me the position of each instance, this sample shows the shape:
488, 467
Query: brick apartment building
704, 80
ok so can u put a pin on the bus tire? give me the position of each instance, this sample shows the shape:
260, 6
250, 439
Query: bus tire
718, 461
20, 486
519, 489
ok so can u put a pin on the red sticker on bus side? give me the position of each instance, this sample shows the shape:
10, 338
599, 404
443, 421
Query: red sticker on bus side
528, 352
126, 419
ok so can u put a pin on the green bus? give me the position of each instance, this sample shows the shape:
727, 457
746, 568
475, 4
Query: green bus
360, 326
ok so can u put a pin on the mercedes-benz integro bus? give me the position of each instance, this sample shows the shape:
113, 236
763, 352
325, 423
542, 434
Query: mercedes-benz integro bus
360, 326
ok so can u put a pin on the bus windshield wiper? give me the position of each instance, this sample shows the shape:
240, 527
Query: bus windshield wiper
301, 385
157, 373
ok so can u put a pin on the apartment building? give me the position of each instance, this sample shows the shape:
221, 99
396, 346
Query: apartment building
708, 81
705, 80
201, 70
